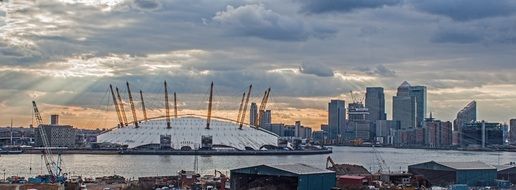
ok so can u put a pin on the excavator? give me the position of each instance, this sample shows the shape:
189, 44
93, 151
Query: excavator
223, 179
345, 169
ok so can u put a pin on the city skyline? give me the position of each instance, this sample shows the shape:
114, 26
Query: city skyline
64, 54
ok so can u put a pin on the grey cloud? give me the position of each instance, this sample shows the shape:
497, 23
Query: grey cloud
323, 6
395, 34
379, 70
466, 10
147, 4
460, 37
316, 69
496, 30
255, 20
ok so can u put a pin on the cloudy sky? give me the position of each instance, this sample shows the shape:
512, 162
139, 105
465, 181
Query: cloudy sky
65, 53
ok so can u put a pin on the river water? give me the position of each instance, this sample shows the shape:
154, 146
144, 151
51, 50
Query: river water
153, 165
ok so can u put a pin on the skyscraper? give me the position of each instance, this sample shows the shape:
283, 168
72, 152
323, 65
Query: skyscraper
336, 119
253, 115
266, 118
404, 107
419, 92
358, 127
467, 115
512, 131
375, 102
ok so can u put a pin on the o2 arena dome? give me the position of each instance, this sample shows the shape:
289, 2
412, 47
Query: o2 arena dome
188, 131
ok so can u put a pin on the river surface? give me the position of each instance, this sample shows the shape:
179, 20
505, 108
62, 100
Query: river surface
153, 165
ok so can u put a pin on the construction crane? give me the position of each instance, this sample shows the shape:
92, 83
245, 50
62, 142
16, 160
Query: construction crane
223, 179
133, 110
54, 168
379, 160
263, 106
121, 104
167, 109
143, 106
245, 106
209, 107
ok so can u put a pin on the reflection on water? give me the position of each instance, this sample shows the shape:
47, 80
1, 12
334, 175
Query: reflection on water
152, 165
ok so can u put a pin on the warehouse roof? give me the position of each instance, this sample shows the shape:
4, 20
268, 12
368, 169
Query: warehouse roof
504, 167
476, 165
300, 169
286, 169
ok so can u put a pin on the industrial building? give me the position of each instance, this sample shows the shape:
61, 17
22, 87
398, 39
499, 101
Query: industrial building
448, 173
284, 177
507, 172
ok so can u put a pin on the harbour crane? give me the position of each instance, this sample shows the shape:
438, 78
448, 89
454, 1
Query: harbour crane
54, 168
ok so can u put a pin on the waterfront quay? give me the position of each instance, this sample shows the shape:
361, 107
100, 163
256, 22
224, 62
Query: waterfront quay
133, 167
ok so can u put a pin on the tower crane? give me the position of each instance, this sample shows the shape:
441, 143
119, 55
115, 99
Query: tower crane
263, 106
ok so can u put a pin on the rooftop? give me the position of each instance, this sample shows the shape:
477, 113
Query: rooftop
476, 165
504, 167
300, 169
405, 84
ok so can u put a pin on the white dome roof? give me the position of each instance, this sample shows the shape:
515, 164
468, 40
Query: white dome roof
187, 131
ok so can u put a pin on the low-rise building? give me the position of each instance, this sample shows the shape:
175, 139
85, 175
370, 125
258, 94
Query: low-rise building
448, 173
285, 177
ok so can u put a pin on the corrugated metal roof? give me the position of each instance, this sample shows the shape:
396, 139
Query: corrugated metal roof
300, 169
504, 167
476, 165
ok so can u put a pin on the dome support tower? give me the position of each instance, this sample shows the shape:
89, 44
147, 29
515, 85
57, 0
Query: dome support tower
209, 107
